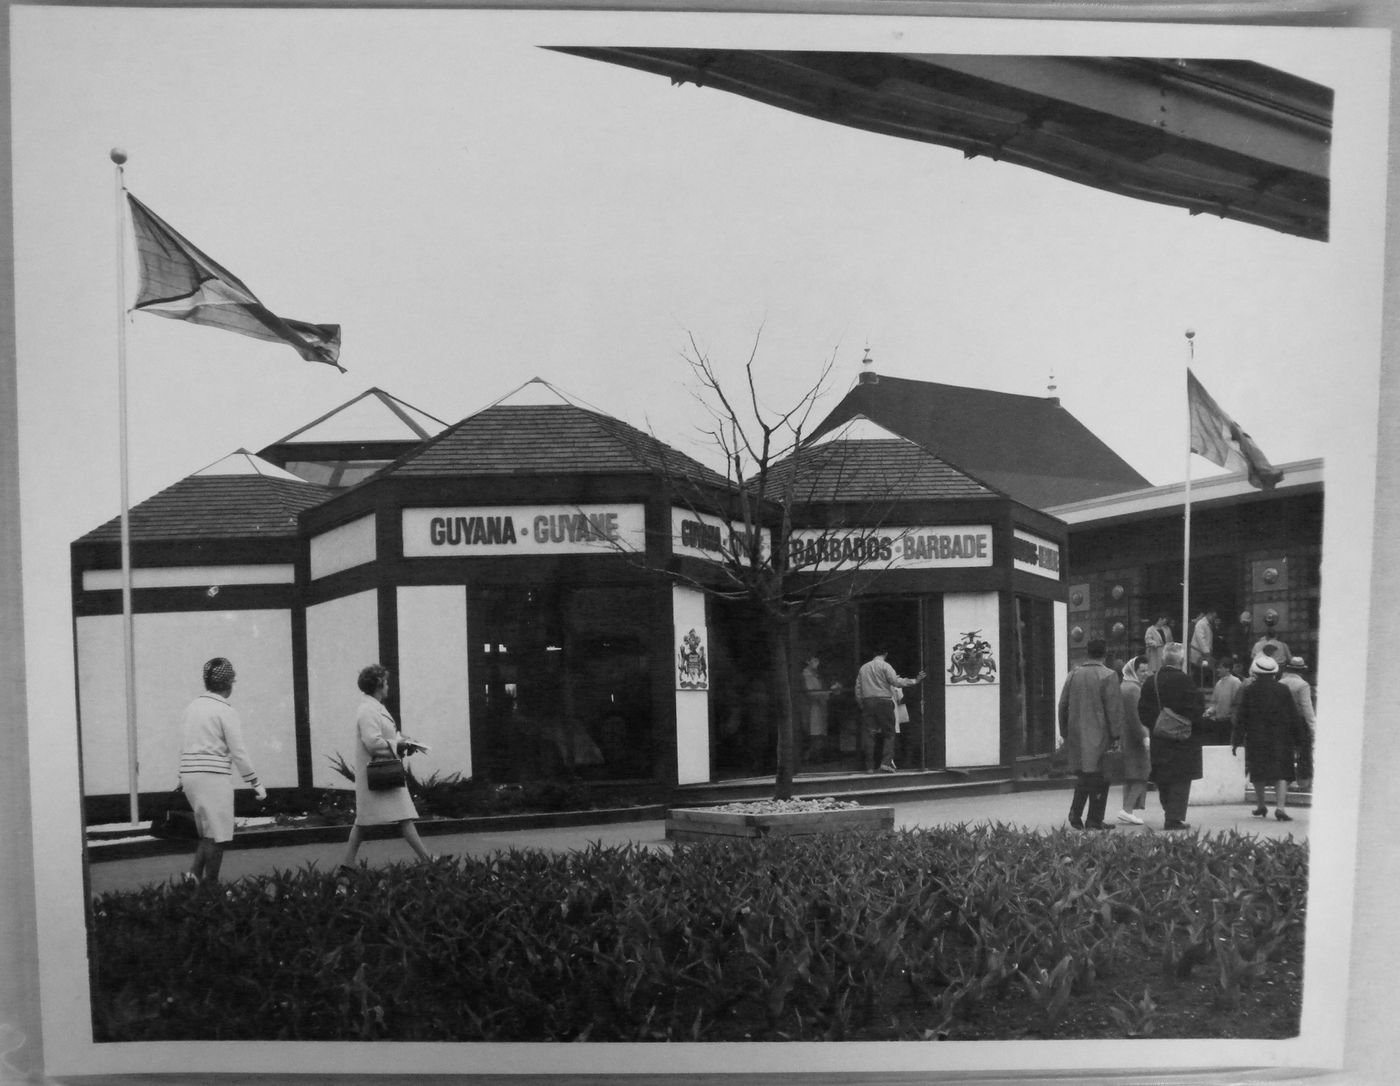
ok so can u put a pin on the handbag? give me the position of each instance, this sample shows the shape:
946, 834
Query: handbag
1169, 723
174, 819
385, 773
1112, 767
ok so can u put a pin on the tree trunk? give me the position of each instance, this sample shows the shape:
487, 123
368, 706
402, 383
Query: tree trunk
786, 726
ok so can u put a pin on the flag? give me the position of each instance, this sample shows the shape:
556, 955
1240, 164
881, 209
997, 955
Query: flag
180, 282
1218, 437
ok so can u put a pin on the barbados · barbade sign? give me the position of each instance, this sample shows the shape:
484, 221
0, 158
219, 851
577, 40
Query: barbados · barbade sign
498, 530
940, 547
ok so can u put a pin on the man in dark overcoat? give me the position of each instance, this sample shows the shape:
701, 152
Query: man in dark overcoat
1091, 721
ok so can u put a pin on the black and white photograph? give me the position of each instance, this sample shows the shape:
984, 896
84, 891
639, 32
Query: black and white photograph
677, 542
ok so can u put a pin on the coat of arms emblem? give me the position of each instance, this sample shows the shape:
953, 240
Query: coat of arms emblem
692, 671
972, 660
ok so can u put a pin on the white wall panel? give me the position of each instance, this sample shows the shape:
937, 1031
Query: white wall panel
97, 580
342, 636
692, 706
171, 649
433, 682
344, 547
973, 709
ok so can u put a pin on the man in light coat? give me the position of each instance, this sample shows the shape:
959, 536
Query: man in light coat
1299, 687
1091, 722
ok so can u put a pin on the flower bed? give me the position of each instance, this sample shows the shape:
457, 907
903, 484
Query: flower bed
774, 818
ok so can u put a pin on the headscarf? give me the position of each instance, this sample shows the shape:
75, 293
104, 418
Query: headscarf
1132, 670
218, 674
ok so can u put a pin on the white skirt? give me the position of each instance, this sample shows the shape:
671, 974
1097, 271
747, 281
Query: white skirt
211, 796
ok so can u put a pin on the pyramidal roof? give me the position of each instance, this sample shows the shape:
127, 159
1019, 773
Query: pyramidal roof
1028, 447
372, 416
540, 430
861, 461
238, 497
243, 462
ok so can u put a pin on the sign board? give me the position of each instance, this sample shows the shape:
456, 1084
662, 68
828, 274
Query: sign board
891, 548
701, 535
497, 530
1032, 554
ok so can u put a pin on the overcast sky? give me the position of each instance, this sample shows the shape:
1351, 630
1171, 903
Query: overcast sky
475, 210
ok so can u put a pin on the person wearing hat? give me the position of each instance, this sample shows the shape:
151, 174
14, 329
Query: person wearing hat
212, 747
1269, 727
1292, 678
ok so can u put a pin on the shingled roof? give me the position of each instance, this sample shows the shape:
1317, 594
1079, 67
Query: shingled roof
1028, 447
239, 497
534, 434
863, 462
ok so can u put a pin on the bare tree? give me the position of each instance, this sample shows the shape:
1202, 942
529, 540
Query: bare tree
772, 471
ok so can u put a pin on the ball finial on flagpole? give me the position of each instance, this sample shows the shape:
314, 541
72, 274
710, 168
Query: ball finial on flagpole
118, 155
1191, 341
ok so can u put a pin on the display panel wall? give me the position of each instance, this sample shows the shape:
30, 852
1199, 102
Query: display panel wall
170, 653
693, 699
342, 636
973, 705
433, 682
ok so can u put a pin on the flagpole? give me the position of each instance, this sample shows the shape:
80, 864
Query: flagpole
128, 629
1186, 545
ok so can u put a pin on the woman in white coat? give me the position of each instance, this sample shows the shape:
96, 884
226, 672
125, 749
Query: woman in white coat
376, 735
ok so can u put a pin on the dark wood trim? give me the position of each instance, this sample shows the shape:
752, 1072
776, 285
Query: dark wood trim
278, 597
301, 699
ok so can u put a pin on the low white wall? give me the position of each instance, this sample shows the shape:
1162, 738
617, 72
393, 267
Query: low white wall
433, 684
1224, 780
692, 706
342, 636
170, 652
973, 710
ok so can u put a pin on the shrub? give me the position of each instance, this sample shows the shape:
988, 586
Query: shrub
953, 932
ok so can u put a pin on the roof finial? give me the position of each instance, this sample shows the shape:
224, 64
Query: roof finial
868, 376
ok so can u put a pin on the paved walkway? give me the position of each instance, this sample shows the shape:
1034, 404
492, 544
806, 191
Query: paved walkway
1041, 809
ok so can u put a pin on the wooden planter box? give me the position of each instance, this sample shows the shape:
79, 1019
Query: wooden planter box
698, 824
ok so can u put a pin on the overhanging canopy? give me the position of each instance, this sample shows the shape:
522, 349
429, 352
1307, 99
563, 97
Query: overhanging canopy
1221, 137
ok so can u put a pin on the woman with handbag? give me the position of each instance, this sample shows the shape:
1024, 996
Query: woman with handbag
212, 747
1269, 726
379, 750
1171, 709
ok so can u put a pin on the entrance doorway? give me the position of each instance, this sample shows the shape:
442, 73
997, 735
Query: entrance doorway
829, 648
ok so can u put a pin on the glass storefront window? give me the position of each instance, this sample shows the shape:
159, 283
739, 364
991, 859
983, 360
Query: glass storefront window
562, 683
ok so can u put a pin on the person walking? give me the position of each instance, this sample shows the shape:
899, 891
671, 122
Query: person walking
1269, 727
1223, 697
876, 683
1136, 757
211, 748
1091, 721
1202, 648
1301, 690
1176, 761
377, 736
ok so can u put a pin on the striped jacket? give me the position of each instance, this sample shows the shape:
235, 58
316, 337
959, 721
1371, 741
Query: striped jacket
213, 739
